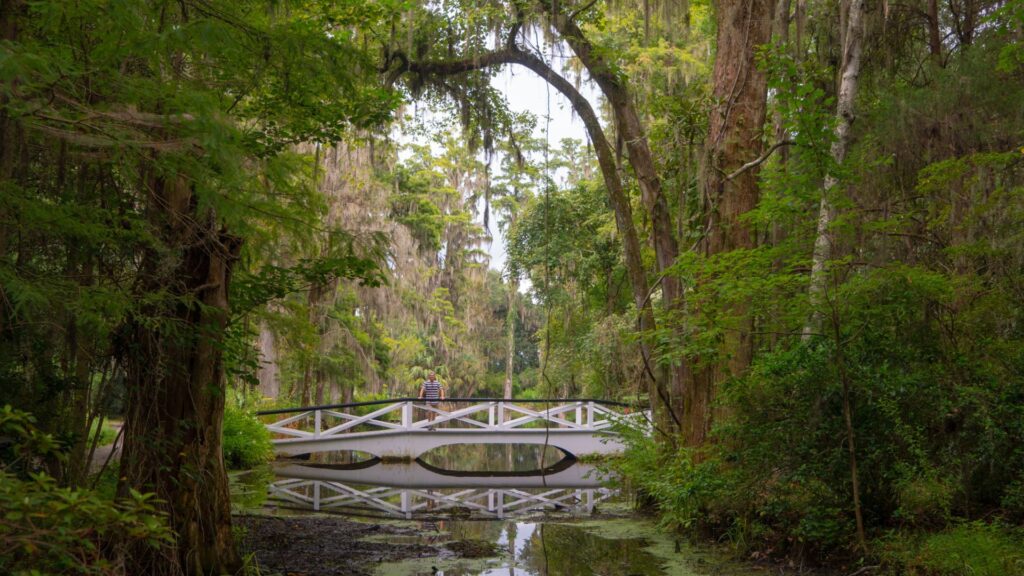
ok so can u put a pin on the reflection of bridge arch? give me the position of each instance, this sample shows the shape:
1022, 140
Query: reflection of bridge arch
389, 428
414, 491
565, 474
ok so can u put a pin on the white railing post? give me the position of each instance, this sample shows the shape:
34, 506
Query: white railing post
590, 414
579, 414
316, 423
490, 415
316, 490
501, 414
407, 414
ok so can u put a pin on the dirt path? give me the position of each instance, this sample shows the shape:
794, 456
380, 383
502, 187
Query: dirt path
102, 453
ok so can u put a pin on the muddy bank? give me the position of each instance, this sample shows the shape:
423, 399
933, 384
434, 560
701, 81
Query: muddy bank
320, 546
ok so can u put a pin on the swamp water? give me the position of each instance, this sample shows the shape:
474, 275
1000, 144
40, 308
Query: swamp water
497, 510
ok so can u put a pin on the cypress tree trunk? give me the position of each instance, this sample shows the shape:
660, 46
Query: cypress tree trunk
734, 138
175, 379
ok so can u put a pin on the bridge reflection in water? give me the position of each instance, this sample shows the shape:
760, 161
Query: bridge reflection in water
418, 490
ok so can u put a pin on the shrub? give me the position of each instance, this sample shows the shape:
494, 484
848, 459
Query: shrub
1013, 501
246, 440
924, 500
681, 490
975, 549
48, 529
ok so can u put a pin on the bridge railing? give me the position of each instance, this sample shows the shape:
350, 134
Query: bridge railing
412, 414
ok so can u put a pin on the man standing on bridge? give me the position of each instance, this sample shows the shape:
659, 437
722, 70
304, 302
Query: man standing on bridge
431, 391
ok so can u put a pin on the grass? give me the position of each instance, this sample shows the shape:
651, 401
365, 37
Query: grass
107, 435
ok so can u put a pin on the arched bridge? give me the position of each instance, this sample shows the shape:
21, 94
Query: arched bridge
402, 428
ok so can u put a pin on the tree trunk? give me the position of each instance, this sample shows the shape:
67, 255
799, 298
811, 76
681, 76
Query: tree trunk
631, 131
965, 18
268, 374
734, 138
781, 40
172, 360
510, 334
845, 115
801, 25
934, 38
851, 445
11, 13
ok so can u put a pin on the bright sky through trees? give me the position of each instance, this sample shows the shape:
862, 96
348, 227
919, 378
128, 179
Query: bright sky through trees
525, 92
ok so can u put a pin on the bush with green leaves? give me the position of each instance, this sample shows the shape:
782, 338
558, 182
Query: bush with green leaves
49, 529
246, 439
972, 549
936, 401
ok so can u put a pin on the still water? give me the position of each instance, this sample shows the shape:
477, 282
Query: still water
504, 510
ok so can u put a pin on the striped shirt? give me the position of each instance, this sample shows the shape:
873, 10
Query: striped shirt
431, 390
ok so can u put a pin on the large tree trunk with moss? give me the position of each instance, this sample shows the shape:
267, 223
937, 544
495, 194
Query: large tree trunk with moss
172, 358
734, 139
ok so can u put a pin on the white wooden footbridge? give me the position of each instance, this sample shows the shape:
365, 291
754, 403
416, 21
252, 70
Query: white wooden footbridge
403, 429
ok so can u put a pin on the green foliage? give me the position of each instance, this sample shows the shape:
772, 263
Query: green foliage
246, 441
924, 500
972, 549
567, 235
24, 446
1013, 501
680, 488
49, 529
414, 208
46, 529
907, 380
1010, 19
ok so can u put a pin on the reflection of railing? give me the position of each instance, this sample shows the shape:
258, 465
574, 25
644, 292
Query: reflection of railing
411, 503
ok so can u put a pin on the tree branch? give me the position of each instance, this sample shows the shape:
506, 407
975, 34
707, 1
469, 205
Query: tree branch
764, 157
582, 9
